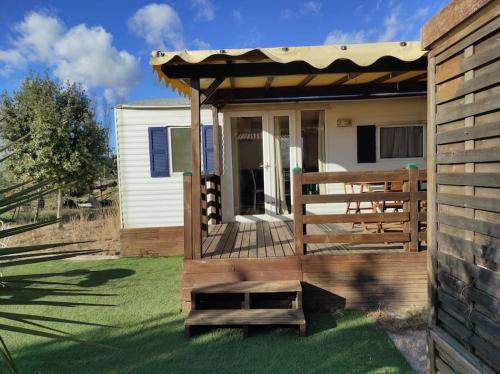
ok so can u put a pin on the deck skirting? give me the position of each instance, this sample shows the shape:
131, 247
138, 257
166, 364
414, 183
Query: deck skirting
362, 280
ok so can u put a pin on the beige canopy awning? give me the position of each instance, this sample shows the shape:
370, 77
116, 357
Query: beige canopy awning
305, 67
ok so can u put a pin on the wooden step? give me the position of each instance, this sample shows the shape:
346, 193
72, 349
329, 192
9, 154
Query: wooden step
248, 287
245, 318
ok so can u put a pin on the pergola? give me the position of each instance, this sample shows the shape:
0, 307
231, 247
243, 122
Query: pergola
288, 74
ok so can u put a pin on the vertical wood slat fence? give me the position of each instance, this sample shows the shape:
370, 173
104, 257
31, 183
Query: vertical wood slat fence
413, 213
464, 193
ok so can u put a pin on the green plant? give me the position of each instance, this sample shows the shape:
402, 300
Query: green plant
10, 199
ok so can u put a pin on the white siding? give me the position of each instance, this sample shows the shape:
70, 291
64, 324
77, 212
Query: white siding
154, 202
341, 142
147, 201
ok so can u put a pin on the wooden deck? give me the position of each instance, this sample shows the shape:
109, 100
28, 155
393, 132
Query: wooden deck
275, 239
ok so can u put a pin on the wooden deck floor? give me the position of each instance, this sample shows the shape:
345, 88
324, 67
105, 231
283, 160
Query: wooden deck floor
275, 239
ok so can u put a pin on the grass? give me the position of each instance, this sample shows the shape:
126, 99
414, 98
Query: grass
142, 306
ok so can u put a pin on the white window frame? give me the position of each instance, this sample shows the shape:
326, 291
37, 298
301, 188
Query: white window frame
170, 154
403, 124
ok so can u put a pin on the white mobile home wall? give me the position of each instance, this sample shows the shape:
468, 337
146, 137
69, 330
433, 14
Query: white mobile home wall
341, 143
146, 201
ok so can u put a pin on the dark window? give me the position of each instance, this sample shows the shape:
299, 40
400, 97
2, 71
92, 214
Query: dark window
401, 141
366, 144
158, 152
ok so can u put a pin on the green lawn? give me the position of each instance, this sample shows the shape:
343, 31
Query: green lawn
141, 307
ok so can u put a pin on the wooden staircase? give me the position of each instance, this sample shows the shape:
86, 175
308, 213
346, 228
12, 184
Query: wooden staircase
245, 304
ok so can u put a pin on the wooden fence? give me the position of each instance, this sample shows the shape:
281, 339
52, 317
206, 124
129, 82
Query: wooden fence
464, 190
412, 215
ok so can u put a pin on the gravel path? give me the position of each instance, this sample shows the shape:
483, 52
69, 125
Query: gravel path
412, 344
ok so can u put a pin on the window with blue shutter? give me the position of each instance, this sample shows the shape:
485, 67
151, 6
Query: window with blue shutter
158, 152
207, 143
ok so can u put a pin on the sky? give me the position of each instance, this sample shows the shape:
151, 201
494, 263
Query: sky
106, 44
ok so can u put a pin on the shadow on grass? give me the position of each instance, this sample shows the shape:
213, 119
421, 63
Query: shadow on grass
148, 334
343, 343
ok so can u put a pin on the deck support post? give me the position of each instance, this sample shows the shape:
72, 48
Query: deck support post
195, 168
188, 220
298, 212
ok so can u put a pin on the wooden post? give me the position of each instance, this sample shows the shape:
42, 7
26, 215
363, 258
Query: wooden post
412, 207
195, 168
431, 214
298, 212
188, 233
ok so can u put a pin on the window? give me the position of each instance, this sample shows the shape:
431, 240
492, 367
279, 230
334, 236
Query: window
402, 141
180, 145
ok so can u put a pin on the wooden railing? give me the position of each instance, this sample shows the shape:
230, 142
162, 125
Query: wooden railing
411, 216
210, 201
211, 211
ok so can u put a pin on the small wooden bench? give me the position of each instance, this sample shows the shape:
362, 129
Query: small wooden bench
247, 315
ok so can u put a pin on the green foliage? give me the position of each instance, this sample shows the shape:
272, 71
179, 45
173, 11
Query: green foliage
63, 142
11, 198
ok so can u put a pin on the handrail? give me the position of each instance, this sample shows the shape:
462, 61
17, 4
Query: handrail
411, 215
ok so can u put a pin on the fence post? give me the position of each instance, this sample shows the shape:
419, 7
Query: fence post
412, 207
188, 232
298, 212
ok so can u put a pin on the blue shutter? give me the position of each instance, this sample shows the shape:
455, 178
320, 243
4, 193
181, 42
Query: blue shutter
208, 149
158, 152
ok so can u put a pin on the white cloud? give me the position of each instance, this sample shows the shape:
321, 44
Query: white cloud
237, 15
393, 25
286, 14
398, 26
312, 7
78, 54
204, 10
159, 25
341, 37
200, 44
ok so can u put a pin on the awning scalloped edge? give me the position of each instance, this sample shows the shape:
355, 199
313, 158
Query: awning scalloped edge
175, 84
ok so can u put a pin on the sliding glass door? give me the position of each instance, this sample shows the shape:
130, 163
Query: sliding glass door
261, 160
281, 148
248, 165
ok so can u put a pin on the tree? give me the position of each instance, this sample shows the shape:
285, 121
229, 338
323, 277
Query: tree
63, 143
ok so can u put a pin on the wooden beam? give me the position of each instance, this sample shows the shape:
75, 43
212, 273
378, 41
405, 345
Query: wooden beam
331, 91
269, 81
386, 77
384, 64
416, 78
195, 168
217, 141
306, 80
345, 78
207, 94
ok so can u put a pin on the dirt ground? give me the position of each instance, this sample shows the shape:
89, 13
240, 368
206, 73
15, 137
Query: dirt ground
101, 233
406, 329
413, 346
